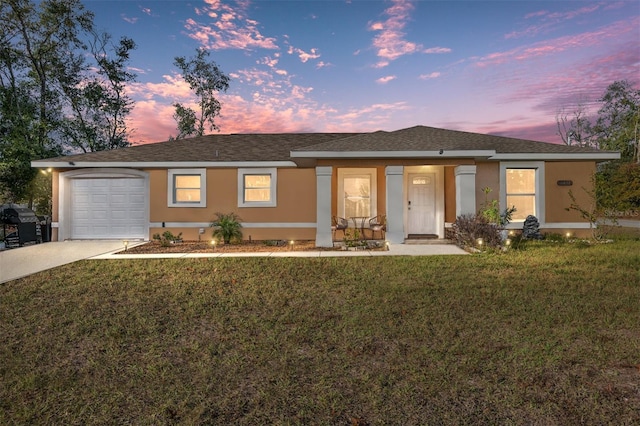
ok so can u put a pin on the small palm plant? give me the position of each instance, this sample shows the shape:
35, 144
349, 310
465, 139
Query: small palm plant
227, 226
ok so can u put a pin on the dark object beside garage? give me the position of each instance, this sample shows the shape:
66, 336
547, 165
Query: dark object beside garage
21, 226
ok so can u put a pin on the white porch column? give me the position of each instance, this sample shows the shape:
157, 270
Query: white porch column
324, 238
395, 204
465, 190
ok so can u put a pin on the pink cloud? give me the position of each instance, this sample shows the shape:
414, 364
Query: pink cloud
304, 56
536, 14
128, 19
550, 21
172, 89
561, 44
390, 41
230, 28
437, 50
429, 76
151, 121
582, 83
385, 80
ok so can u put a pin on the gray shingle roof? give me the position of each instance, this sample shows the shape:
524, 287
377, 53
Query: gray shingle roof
211, 148
278, 147
422, 138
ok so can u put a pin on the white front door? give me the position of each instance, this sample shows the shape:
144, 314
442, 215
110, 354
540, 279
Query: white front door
421, 208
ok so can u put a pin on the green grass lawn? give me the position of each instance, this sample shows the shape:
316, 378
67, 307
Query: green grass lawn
547, 334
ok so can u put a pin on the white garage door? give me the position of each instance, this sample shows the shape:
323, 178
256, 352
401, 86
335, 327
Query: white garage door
109, 208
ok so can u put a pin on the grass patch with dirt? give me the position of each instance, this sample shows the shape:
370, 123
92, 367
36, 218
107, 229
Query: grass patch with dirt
547, 334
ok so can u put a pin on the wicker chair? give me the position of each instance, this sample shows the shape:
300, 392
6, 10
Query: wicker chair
378, 224
338, 224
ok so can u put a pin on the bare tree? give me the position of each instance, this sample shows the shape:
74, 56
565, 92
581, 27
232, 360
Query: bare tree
574, 128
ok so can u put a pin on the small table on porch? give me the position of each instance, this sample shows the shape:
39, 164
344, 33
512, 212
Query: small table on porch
358, 223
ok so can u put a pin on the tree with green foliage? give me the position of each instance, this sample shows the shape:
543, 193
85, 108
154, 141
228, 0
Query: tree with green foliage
616, 126
618, 121
57, 93
206, 79
98, 102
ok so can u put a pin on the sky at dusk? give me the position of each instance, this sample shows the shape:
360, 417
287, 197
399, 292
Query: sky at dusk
499, 67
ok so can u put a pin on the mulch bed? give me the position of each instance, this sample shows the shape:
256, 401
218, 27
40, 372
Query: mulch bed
154, 247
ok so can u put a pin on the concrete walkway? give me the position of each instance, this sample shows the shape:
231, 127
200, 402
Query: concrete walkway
23, 261
394, 250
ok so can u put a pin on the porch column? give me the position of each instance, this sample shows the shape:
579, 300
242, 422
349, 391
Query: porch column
465, 190
395, 204
324, 238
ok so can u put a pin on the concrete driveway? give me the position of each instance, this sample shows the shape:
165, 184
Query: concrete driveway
23, 261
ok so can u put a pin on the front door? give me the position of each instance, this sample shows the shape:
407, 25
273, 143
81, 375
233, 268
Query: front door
421, 208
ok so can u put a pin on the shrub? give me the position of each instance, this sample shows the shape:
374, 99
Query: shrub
490, 210
352, 238
227, 226
167, 238
469, 228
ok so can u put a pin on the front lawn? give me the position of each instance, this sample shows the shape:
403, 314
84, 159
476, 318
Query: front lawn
548, 334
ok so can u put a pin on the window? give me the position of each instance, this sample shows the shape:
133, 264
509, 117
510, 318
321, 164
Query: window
187, 188
521, 192
522, 186
257, 187
357, 189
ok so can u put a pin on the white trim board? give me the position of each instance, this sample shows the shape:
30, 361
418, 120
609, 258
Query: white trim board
162, 164
247, 225
394, 154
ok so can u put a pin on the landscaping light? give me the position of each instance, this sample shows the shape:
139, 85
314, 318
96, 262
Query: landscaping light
480, 241
126, 245
213, 243
568, 235
508, 242
512, 233
291, 244
387, 246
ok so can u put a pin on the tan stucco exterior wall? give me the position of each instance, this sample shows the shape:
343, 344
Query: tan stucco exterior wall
296, 197
296, 203
487, 176
557, 197
450, 194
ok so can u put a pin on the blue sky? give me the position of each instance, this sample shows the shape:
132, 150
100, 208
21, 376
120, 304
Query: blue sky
500, 67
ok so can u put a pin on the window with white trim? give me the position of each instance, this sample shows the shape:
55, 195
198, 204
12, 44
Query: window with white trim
522, 185
521, 192
257, 187
187, 188
357, 193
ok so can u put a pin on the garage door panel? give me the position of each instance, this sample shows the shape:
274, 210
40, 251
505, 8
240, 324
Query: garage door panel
118, 199
108, 208
137, 215
100, 199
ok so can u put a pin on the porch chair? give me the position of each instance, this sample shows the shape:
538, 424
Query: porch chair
378, 224
338, 224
